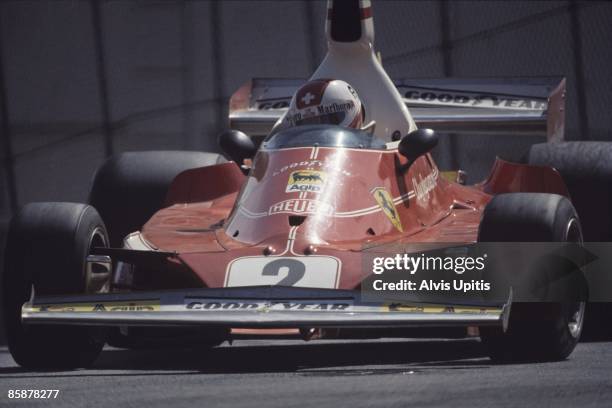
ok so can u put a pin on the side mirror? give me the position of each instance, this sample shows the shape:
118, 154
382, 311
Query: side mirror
417, 143
237, 145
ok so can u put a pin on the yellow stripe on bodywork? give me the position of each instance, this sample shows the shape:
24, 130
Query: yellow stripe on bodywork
441, 309
132, 306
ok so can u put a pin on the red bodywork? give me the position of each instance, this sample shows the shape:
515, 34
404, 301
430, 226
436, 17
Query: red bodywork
216, 214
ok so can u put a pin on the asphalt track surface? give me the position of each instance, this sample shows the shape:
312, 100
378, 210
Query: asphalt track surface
261, 373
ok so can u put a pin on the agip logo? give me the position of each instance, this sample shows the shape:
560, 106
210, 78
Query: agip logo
311, 181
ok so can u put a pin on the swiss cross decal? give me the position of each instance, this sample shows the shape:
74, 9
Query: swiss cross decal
307, 98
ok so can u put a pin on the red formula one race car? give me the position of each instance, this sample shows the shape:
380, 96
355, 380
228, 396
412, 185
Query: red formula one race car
185, 245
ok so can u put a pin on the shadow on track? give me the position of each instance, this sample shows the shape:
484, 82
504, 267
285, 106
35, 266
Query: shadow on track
291, 358
357, 358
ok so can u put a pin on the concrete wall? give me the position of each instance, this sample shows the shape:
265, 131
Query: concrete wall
167, 69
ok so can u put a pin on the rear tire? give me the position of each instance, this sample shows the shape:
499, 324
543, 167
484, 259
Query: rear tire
130, 187
586, 168
47, 247
536, 331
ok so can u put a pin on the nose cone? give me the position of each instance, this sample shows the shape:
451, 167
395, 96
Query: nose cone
349, 21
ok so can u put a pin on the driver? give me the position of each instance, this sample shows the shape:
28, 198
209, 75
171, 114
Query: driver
324, 101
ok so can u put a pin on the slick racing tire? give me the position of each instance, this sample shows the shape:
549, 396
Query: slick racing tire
543, 331
130, 187
46, 251
586, 168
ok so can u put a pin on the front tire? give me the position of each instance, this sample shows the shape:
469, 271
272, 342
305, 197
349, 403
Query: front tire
536, 331
47, 247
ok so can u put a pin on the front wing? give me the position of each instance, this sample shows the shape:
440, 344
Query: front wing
254, 307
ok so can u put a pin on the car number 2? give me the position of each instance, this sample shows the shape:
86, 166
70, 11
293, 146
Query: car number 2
295, 271
307, 272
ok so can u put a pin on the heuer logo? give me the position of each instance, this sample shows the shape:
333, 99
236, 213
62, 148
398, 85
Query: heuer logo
305, 180
301, 206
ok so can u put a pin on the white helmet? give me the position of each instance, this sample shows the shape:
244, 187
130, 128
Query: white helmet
325, 101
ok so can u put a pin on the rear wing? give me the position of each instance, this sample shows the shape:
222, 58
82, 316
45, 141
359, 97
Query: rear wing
512, 106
